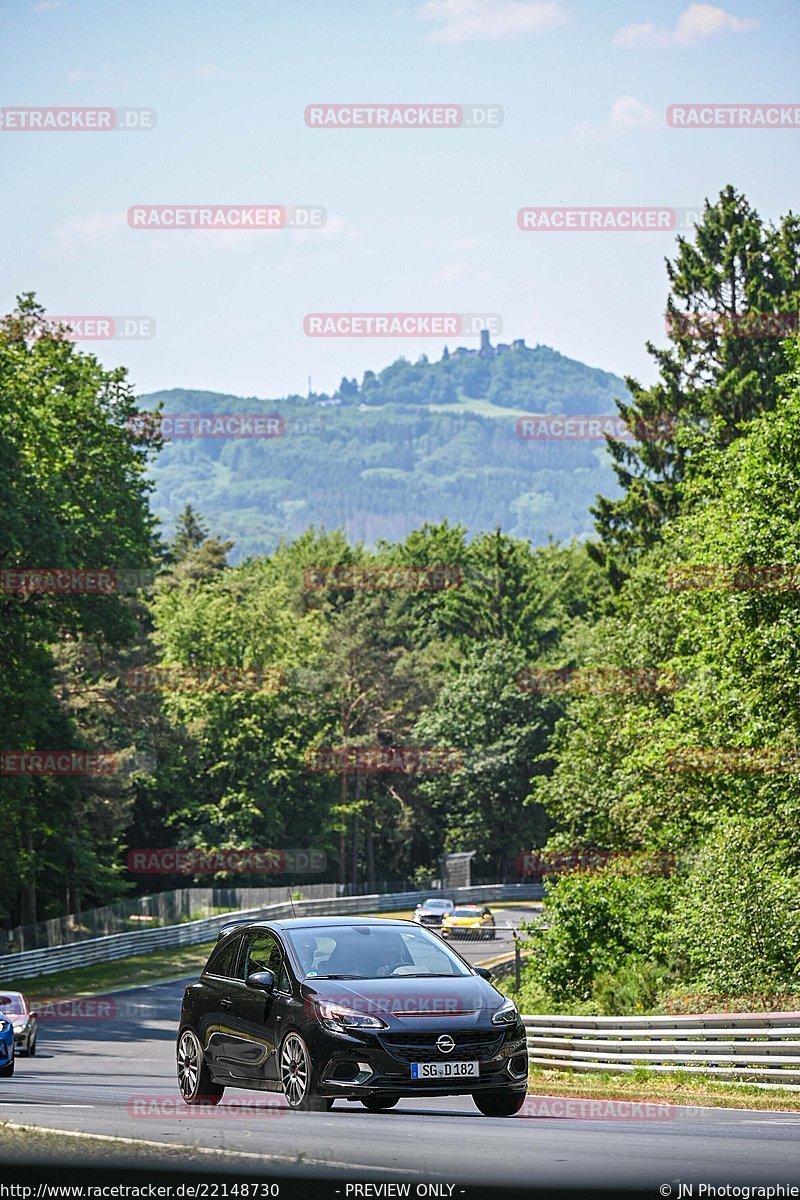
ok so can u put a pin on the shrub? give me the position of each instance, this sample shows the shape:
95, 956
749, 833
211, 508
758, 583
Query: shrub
736, 925
596, 924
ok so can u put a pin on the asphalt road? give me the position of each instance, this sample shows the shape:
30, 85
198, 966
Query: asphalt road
111, 1071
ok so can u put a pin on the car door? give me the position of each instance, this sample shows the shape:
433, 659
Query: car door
212, 1001
256, 1016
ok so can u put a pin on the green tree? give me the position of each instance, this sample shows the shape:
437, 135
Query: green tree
714, 376
736, 927
73, 494
501, 732
190, 532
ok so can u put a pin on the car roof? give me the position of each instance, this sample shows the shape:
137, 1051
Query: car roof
9, 993
290, 923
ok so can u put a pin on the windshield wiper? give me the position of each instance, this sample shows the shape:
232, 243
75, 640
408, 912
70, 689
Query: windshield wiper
338, 976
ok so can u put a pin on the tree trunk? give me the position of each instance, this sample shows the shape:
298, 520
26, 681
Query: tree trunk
27, 892
354, 866
343, 833
369, 850
356, 831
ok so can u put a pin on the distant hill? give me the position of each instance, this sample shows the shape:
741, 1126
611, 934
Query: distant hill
414, 442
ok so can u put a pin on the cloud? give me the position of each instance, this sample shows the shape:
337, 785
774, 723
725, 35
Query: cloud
335, 229
697, 24
98, 229
490, 20
627, 115
453, 272
47, 5
103, 74
450, 273
215, 71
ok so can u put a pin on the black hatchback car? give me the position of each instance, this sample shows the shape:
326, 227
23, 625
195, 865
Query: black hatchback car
352, 1007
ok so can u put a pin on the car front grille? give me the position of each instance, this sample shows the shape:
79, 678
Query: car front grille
421, 1047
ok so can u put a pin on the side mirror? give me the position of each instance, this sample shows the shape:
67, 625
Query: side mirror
261, 980
33, 1013
484, 972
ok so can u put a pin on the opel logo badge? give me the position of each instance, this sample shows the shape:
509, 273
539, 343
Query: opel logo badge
445, 1043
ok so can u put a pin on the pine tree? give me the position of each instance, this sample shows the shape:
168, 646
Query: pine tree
719, 370
190, 532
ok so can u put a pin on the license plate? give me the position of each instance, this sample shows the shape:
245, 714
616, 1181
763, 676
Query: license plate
443, 1070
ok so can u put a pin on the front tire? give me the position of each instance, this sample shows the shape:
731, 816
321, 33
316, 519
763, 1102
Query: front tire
194, 1079
7, 1071
379, 1103
32, 1046
499, 1104
299, 1078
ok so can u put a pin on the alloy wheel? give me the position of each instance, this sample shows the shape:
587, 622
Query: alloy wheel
188, 1065
295, 1070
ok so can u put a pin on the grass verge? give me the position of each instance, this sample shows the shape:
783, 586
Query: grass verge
122, 972
679, 1088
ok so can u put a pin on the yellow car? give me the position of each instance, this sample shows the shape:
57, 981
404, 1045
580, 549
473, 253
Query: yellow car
472, 921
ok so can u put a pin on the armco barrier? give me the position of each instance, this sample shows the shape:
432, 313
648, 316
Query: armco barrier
32, 963
763, 1047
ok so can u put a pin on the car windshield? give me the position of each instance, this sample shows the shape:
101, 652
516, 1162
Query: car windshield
465, 912
443, 904
372, 952
12, 1005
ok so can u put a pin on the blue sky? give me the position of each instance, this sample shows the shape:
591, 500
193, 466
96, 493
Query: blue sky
417, 220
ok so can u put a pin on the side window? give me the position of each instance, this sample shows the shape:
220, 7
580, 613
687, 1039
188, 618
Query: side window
284, 983
261, 953
223, 958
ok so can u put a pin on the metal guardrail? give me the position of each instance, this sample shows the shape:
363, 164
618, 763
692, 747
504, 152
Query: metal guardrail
33, 963
763, 1047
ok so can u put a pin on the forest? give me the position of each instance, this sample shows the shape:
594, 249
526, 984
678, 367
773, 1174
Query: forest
631, 693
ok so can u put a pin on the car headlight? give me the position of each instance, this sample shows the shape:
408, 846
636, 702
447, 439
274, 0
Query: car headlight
506, 1014
341, 1020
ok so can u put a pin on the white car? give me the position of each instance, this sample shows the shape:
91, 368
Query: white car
14, 1007
431, 911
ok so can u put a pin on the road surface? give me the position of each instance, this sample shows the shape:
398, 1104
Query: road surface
114, 1074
